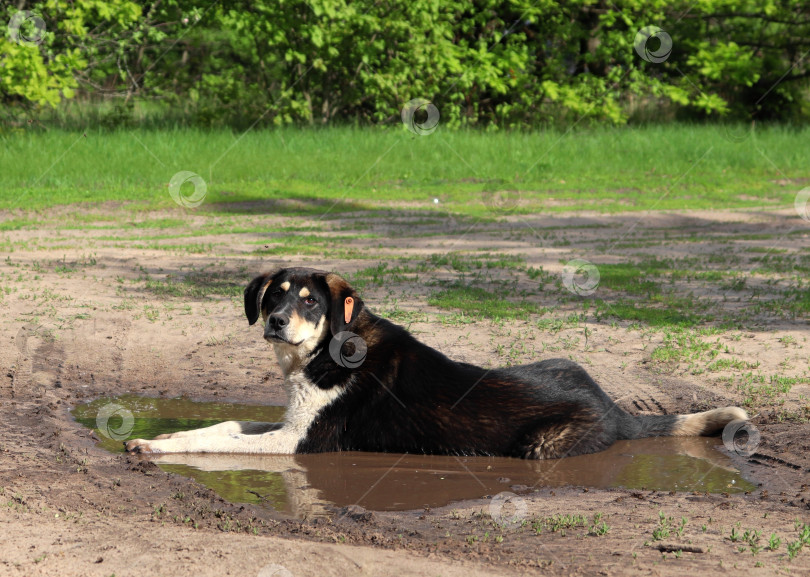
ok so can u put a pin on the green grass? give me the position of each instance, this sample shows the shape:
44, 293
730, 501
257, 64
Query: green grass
326, 171
669, 311
758, 393
477, 302
630, 278
683, 345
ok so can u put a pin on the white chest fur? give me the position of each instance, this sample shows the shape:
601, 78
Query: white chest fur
306, 400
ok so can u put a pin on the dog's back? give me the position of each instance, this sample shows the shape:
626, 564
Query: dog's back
409, 397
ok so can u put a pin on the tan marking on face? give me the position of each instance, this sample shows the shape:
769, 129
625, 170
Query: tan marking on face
285, 285
301, 330
296, 327
303, 293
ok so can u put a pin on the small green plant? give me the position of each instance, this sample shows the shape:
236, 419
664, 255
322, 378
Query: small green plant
561, 522
774, 542
803, 540
664, 528
599, 529
751, 537
681, 527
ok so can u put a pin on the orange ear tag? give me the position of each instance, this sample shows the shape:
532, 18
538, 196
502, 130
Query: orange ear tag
347, 310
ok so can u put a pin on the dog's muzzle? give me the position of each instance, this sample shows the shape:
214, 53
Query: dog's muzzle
274, 329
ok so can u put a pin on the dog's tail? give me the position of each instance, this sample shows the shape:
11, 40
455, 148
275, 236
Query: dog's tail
705, 423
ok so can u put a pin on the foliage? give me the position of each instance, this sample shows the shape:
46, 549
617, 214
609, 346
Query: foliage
499, 63
48, 65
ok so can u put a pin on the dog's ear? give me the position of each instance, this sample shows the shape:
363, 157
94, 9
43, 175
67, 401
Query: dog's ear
345, 305
254, 293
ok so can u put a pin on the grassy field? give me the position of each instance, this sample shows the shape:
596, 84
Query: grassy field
472, 173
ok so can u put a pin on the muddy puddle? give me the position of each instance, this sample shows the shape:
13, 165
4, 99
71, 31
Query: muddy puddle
307, 485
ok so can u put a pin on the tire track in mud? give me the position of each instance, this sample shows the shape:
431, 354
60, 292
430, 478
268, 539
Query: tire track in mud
38, 363
647, 402
72, 361
632, 391
119, 338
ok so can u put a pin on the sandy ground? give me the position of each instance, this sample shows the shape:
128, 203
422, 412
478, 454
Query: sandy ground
91, 328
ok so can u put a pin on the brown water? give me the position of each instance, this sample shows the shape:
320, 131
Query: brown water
305, 485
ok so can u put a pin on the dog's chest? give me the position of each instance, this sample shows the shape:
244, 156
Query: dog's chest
306, 400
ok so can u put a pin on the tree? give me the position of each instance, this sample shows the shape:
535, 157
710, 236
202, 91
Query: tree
498, 63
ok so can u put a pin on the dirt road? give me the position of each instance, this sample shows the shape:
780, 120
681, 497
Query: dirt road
83, 315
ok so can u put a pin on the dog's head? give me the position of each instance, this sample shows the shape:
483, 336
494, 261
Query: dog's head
300, 307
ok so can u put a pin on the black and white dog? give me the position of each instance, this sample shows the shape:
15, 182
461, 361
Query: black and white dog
357, 382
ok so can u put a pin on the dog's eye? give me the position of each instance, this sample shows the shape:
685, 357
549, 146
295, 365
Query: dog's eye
310, 301
276, 292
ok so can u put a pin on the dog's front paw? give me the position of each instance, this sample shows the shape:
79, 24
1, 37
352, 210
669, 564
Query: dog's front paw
140, 446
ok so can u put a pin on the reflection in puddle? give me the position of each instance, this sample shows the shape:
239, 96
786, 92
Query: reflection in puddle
306, 485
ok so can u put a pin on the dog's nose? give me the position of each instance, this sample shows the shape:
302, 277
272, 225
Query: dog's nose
278, 322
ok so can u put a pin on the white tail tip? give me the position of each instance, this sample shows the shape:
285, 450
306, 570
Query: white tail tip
707, 422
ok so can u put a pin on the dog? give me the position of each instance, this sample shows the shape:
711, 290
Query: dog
357, 382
